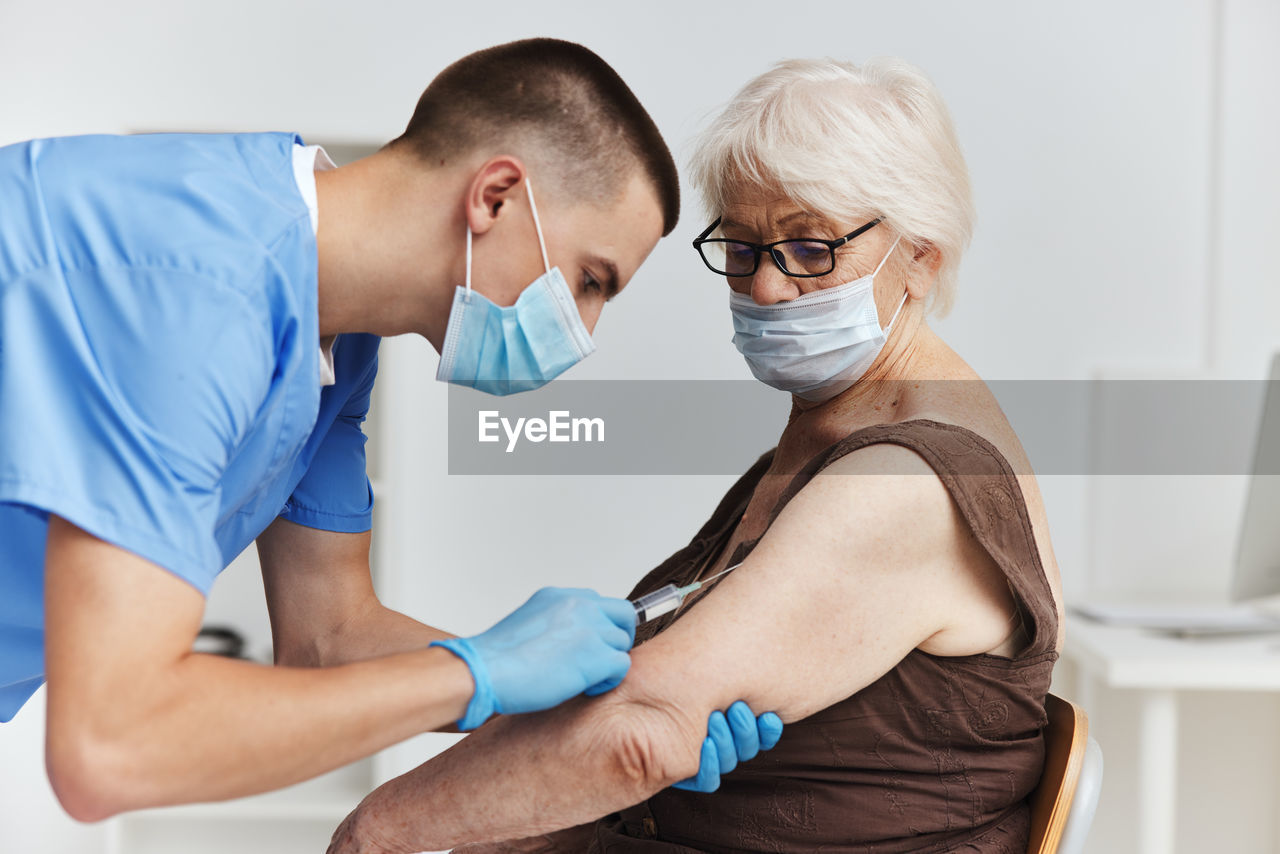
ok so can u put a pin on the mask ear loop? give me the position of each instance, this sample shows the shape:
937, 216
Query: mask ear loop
905, 293
886, 256
467, 295
537, 225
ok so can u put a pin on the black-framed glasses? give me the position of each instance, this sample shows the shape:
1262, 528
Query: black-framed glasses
801, 257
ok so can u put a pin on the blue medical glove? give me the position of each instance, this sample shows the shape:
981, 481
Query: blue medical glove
732, 738
559, 644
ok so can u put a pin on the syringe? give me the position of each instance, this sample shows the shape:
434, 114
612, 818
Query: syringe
667, 598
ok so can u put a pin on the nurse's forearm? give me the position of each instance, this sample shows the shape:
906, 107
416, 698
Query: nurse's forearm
379, 632
136, 719
323, 607
213, 729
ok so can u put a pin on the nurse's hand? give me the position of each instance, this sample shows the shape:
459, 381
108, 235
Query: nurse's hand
732, 738
559, 644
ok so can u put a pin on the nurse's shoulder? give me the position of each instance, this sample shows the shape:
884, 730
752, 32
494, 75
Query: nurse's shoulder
220, 206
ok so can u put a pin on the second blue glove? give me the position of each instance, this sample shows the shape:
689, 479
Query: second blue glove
732, 738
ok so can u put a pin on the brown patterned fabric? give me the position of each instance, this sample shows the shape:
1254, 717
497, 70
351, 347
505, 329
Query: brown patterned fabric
937, 755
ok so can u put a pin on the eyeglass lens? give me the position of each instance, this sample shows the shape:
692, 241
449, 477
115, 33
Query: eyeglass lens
795, 257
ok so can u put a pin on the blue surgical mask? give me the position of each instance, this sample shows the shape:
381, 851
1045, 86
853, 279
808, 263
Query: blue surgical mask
816, 345
507, 349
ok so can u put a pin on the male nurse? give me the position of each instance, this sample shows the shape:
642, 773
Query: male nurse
189, 329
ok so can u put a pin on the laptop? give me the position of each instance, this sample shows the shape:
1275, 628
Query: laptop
1255, 579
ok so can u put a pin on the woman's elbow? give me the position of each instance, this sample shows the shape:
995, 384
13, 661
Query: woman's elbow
650, 746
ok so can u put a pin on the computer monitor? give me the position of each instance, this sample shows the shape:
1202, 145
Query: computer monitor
1257, 567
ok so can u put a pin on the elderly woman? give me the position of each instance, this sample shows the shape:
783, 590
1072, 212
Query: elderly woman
898, 599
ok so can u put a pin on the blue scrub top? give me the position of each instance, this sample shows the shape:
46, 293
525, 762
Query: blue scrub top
159, 376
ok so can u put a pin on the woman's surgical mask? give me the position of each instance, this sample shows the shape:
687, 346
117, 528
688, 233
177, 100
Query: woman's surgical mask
506, 349
818, 344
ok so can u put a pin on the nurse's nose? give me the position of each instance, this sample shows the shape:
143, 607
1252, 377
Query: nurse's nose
770, 285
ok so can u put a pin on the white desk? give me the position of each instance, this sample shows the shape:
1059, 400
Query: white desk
1158, 667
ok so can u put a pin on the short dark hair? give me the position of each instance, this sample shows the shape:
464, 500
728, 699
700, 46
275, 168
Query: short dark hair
558, 96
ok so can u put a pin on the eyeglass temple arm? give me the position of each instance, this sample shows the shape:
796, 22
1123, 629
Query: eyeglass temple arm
833, 244
707, 232
857, 231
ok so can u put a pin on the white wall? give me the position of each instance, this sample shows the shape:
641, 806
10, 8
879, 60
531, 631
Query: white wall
1127, 195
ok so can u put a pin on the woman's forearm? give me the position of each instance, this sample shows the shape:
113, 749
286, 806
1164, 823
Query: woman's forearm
572, 840
527, 775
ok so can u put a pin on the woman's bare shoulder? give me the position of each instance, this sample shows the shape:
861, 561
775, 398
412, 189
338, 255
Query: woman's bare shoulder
963, 399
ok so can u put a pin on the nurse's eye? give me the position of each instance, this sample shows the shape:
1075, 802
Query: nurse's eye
589, 283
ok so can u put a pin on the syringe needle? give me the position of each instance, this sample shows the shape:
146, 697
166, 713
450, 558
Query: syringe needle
668, 598
718, 574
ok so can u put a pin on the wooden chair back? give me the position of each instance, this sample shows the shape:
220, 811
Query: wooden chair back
1065, 739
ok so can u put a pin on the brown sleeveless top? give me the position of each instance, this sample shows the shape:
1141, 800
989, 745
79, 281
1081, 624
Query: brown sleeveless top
939, 754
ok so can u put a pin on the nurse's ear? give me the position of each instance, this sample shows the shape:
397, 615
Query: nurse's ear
497, 180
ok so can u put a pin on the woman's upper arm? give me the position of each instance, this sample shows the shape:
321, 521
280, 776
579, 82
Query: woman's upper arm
856, 572
852, 575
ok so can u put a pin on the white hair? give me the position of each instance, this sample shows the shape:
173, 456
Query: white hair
847, 142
